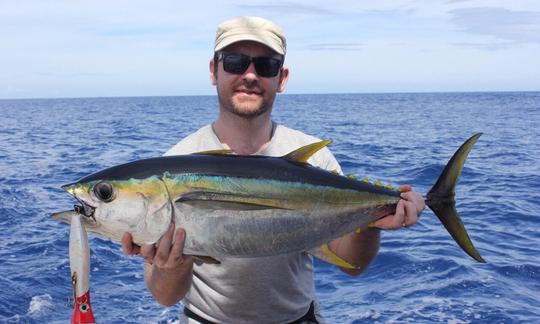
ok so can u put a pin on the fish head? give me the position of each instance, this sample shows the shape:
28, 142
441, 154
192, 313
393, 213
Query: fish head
113, 207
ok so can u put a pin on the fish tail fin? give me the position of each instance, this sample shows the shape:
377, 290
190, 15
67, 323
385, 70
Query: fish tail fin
441, 199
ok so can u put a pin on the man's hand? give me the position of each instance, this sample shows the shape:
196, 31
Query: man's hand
168, 272
164, 254
360, 247
408, 210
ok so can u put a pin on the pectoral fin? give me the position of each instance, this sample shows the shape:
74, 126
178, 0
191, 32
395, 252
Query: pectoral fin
221, 201
206, 259
222, 205
324, 253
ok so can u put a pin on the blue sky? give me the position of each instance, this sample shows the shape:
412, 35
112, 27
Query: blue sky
54, 49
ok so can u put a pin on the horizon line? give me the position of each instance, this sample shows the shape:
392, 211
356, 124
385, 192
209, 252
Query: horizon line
281, 94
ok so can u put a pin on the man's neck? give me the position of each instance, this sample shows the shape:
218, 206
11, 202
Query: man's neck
243, 136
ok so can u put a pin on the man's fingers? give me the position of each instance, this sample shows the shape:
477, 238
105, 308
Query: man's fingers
408, 209
177, 250
164, 247
410, 214
164, 253
399, 216
148, 252
416, 199
128, 246
404, 188
392, 222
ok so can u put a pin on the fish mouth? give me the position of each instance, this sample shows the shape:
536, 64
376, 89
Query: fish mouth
85, 210
82, 209
70, 188
67, 216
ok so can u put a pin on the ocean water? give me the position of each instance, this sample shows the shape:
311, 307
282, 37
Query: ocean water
419, 276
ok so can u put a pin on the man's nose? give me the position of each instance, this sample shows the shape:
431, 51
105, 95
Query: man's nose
250, 71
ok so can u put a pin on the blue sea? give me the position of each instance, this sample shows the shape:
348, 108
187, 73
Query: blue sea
419, 276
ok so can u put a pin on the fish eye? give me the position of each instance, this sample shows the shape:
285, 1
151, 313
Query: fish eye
104, 191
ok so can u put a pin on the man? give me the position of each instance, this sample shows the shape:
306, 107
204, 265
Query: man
247, 70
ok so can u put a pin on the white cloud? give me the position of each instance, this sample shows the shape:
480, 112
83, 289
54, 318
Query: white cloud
510, 25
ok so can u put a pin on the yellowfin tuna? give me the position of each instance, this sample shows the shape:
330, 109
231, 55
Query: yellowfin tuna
248, 206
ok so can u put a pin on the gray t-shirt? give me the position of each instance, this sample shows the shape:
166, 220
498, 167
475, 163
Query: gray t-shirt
276, 289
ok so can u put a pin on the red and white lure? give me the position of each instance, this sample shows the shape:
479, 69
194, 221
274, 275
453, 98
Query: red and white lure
79, 263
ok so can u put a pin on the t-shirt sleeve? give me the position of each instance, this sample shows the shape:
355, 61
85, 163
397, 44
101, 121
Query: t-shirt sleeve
202, 140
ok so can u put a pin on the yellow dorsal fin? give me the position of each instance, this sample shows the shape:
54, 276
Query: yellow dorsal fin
305, 152
215, 152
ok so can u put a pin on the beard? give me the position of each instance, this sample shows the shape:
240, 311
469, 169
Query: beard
245, 108
248, 108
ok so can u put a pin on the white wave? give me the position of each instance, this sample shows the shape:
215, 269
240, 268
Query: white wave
39, 305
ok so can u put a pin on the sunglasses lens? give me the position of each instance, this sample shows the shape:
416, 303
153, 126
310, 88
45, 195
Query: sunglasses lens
235, 63
267, 67
264, 66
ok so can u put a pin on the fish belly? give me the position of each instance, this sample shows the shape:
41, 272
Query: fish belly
233, 233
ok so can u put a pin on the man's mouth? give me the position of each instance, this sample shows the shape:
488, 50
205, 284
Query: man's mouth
248, 92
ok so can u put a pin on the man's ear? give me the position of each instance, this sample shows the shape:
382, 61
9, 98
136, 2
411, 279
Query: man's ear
213, 76
283, 78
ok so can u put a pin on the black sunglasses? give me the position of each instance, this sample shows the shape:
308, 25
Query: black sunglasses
267, 67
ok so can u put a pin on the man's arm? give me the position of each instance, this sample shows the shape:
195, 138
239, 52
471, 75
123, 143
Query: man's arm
167, 272
360, 247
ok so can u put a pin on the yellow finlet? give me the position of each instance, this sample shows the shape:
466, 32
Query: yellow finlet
378, 183
305, 152
390, 187
352, 176
335, 171
366, 180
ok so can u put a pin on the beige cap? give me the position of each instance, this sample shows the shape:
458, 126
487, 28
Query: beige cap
250, 29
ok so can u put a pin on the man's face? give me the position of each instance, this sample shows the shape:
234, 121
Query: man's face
248, 94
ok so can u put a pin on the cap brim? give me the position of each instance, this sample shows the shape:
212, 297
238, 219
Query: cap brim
266, 41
